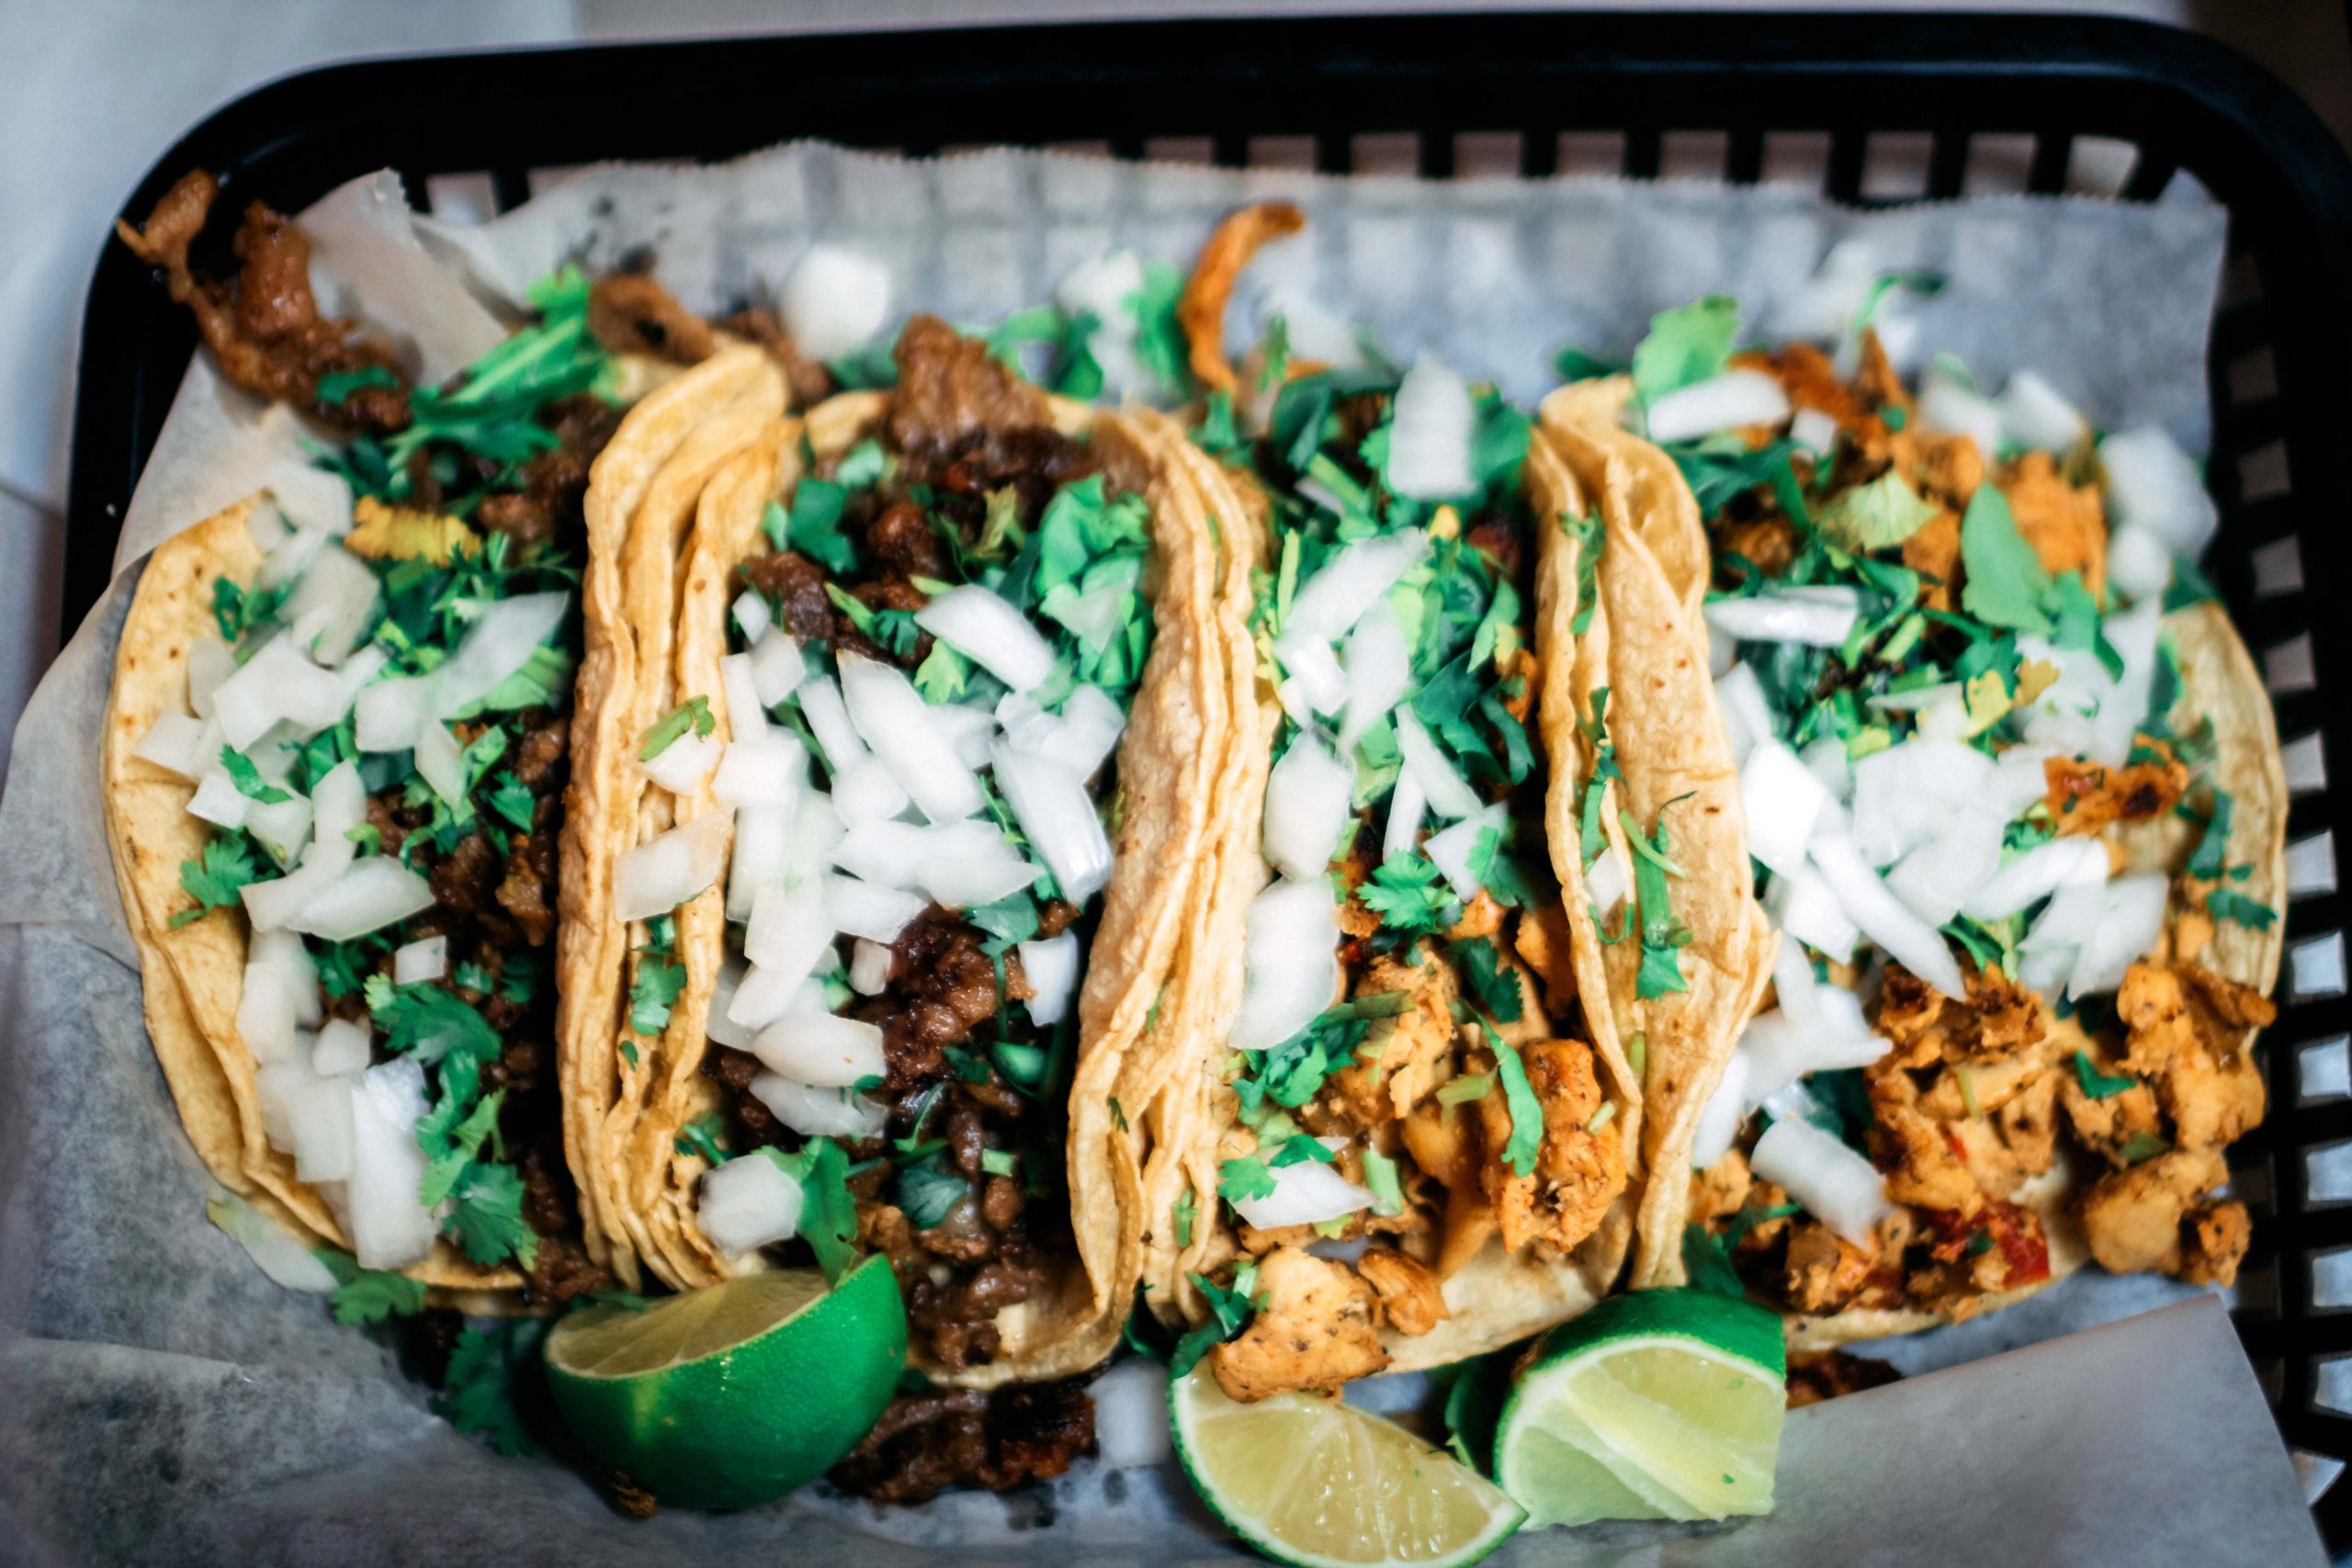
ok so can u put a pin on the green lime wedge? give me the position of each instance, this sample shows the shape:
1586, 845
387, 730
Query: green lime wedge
1314, 1482
733, 1395
1662, 1404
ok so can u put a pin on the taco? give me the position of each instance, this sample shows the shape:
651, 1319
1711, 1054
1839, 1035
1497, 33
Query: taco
2014, 789
340, 769
1410, 1127
926, 794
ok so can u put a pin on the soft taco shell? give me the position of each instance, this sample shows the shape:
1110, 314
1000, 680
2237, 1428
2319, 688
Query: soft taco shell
1167, 762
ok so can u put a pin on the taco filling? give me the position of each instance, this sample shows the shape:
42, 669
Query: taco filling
1410, 1074
2013, 799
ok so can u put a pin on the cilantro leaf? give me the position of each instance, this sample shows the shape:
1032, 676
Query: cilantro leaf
2005, 583
1663, 936
1244, 1179
700, 1137
828, 1213
488, 1221
660, 979
814, 525
477, 1393
943, 675
2227, 904
335, 388
693, 714
225, 865
511, 800
2075, 623
1487, 978
1709, 1265
929, 1188
1229, 1312
248, 779
1408, 894
2097, 1084
428, 1023
450, 1144
1685, 346
1878, 515
1182, 1210
368, 1295
1519, 1098
2214, 850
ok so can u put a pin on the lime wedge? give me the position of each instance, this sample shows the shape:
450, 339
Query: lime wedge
1663, 1404
733, 1395
1311, 1481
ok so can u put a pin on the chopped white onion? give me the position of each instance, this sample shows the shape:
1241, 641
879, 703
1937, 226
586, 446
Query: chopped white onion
759, 999
210, 663
1448, 793
1291, 960
2087, 712
1884, 918
277, 683
1454, 850
188, 747
1058, 818
747, 1203
986, 629
217, 800
769, 768
1315, 673
333, 605
1815, 430
2019, 779
343, 1045
761, 853
1904, 795
1808, 911
1817, 620
1308, 803
791, 930
1783, 800
892, 718
2035, 414
1351, 583
1747, 718
681, 766
319, 1120
869, 967
1825, 758
720, 1024
1051, 968
1606, 884
753, 617
280, 995
284, 1258
821, 1049
1951, 868
777, 668
747, 716
426, 959
1305, 1194
441, 761
1779, 1051
391, 714
954, 864
291, 556
389, 1228
1379, 669
1428, 440
863, 908
1131, 1410
2152, 484
497, 645
312, 498
1836, 1186
1728, 402
1408, 804
834, 300
816, 1113
1949, 406
670, 868
377, 892
1720, 1118
1105, 288
2036, 875
339, 803
2139, 565
1081, 736
969, 729
2130, 924
816, 829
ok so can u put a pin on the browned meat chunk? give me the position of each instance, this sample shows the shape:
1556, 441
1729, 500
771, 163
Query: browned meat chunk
949, 388
1315, 1331
796, 585
1408, 1292
1924, 1165
1927, 1027
2064, 523
630, 314
555, 483
527, 890
2134, 1218
1580, 1162
2086, 797
997, 1440
1816, 1375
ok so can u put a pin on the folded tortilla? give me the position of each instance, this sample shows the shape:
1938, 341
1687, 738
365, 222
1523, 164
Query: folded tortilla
1164, 769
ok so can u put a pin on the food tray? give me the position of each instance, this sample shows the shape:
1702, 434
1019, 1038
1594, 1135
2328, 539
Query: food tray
1869, 109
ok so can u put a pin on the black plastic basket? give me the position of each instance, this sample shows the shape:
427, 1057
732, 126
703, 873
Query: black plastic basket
1871, 108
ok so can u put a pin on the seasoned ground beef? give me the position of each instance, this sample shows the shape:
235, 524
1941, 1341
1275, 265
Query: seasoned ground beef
950, 387
555, 483
630, 314
942, 988
999, 1439
795, 586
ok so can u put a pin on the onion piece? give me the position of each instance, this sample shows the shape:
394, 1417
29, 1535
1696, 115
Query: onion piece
671, 868
1308, 803
2019, 780
2131, 923
869, 967
1314, 670
1948, 870
1351, 583
862, 908
777, 668
768, 768
1606, 884
2152, 484
321, 1120
332, 607
280, 994
339, 807
986, 629
375, 893
681, 766
1729, 401
1948, 406
1407, 806
499, 644
1429, 437
343, 1045
816, 1113
1905, 794
1815, 430
277, 683
791, 931
1836, 1186
1448, 793
753, 617
1783, 616
1105, 288
442, 761
419, 961
1306, 1193
1059, 817
1720, 1118
1291, 961
392, 714
2035, 414
312, 498
1131, 1413
747, 716
217, 800
285, 1259
2138, 564
969, 729
1748, 717
1808, 911
1783, 800
1379, 669
763, 852
1884, 918
1779, 1051
389, 1228
210, 663
892, 718
834, 300
821, 1049
816, 829
2036, 875
747, 1203
178, 744
1454, 850
1079, 738
1051, 969
760, 998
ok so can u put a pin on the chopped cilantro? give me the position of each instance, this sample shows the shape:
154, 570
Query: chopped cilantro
2141, 1146
477, 1393
1494, 983
828, 1213
660, 979
814, 525
450, 1144
1663, 936
2214, 850
511, 800
212, 879
1241, 1180
700, 1137
488, 1221
1685, 346
1229, 1312
1878, 515
335, 388
2097, 1084
1708, 1265
929, 1188
693, 714
368, 1295
2227, 904
1408, 894
248, 779
1184, 1210
2005, 583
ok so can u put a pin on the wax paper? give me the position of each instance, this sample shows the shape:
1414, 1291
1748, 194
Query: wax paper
165, 1403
